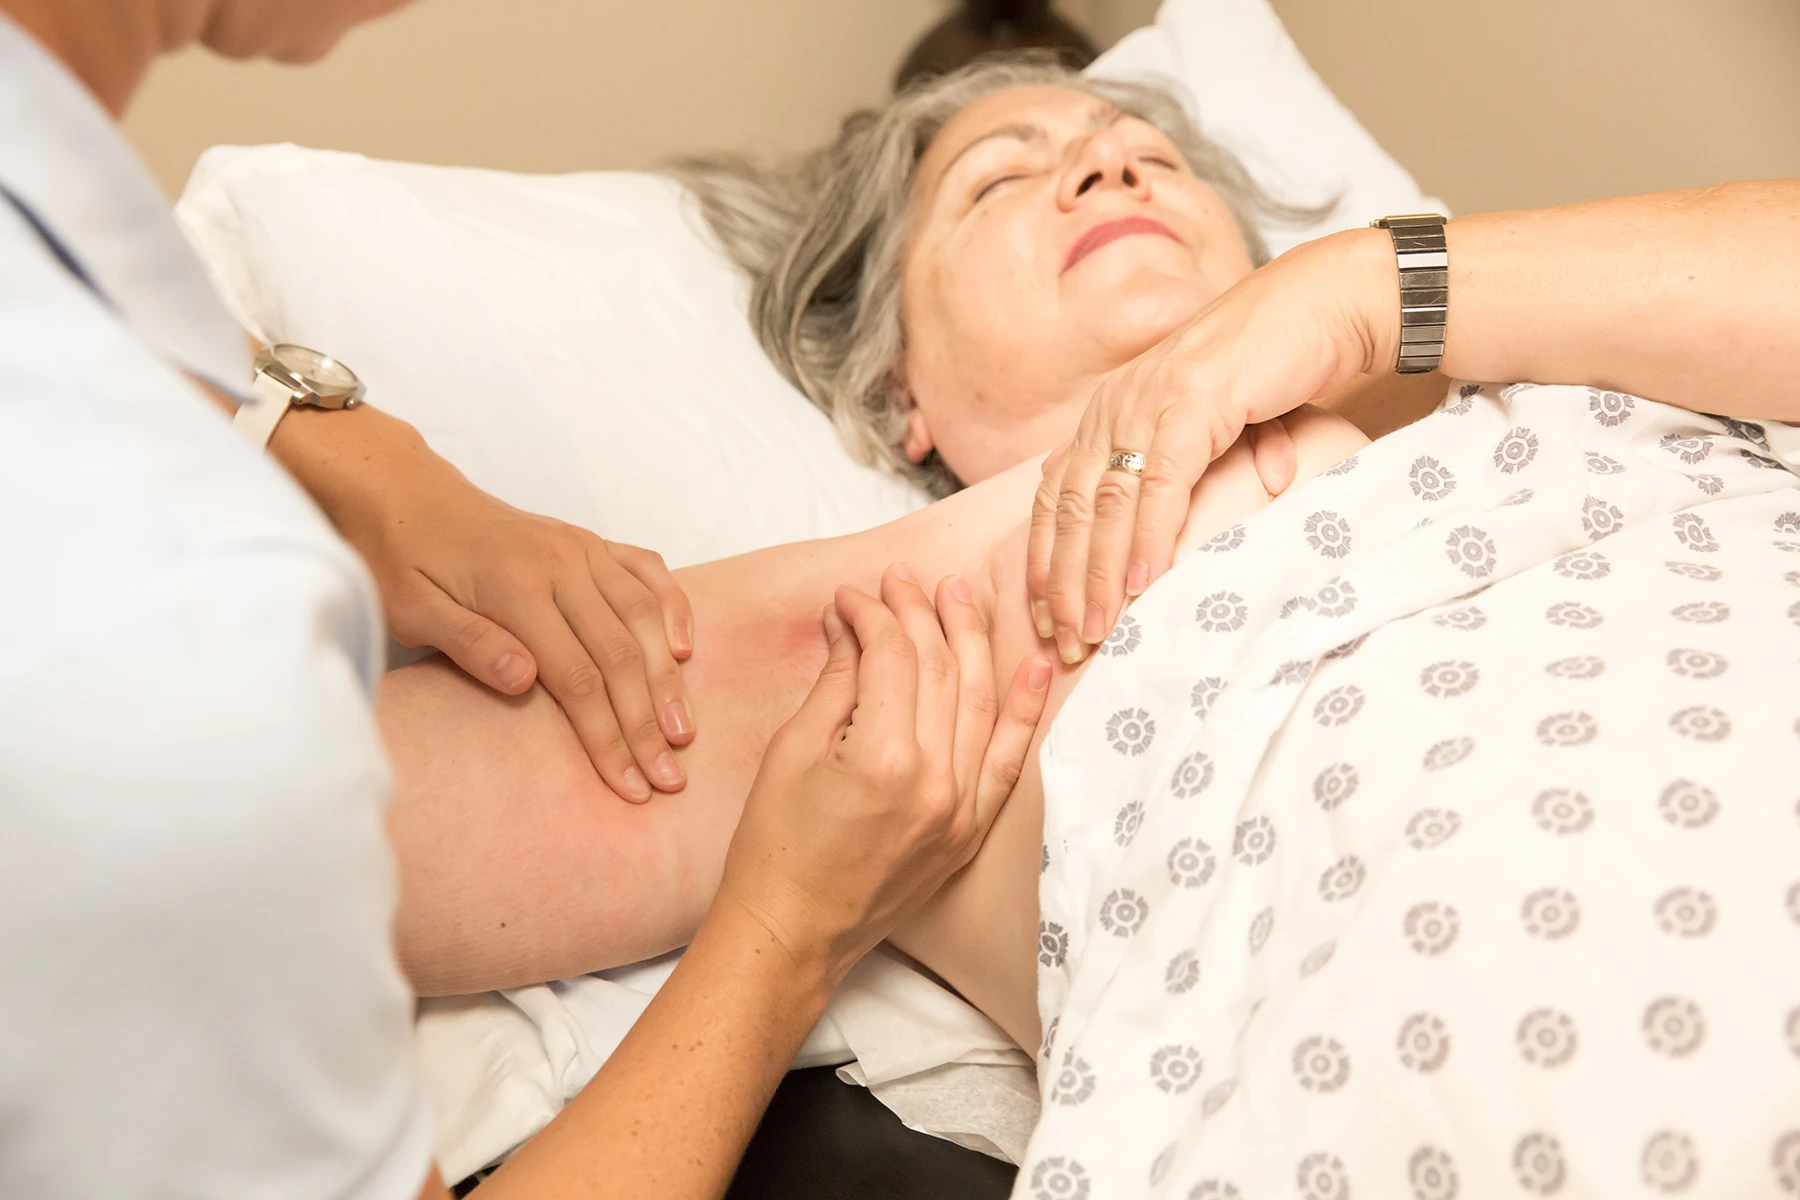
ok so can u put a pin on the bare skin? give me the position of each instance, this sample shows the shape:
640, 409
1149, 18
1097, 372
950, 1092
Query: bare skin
518, 864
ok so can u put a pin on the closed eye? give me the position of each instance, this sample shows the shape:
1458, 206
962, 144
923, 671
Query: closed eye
1159, 161
992, 184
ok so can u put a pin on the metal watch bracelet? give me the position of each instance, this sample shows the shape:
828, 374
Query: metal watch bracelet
1424, 288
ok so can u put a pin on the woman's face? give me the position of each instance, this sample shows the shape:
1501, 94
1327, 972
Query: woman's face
1054, 238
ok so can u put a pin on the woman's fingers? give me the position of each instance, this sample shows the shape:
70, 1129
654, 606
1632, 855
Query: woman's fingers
651, 571
1006, 752
642, 613
1272, 450
1041, 540
428, 616
934, 721
976, 704
1066, 586
1184, 445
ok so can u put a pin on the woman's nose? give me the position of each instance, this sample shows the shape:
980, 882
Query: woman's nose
1100, 161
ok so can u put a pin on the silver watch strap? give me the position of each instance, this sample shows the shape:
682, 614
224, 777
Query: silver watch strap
1424, 288
257, 417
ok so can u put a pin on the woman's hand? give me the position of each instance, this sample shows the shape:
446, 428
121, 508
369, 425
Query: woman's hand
1299, 329
887, 780
509, 596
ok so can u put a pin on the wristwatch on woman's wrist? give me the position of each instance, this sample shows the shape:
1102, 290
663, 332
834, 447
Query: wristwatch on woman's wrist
287, 375
1424, 288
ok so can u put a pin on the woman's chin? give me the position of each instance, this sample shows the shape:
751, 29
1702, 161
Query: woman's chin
1127, 321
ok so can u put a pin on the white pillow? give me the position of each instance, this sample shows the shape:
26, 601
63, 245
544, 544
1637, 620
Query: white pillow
572, 343
1254, 93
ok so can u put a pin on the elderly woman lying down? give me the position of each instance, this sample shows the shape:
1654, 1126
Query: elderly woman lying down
1533, 828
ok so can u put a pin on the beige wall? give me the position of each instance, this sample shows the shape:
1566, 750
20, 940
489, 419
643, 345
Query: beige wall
1491, 103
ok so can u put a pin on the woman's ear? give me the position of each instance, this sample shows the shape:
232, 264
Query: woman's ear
917, 443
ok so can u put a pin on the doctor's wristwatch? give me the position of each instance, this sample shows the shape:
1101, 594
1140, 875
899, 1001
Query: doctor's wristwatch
287, 375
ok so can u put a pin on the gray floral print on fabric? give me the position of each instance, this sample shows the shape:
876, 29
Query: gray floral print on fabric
1693, 533
1339, 705
1669, 1162
1343, 468
1471, 550
1794, 612
1049, 1038
1674, 1025
1600, 519
1335, 784
1571, 615
1327, 533
1294, 671
1793, 903
1711, 485
1294, 604
1551, 913
1336, 599
1584, 565
1787, 547
1697, 664
1749, 431
1431, 928
1464, 402
1346, 650
1522, 496
1538, 1164
1044, 863
1125, 637
1452, 677
1703, 612
1793, 1031
1217, 1097
1322, 1177
1317, 959
1786, 1157
1205, 693
1432, 1174
1321, 1065
1704, 572
1547, 1038
1514, 389
1053, 944
1128, 821
1059, 1178
1424, 1043
1562, 811
1193, 774
1224, 543
1686, 912
1074, 1083
1610, 408
1430, 479
1182, 973
1263, 923
1570, 728
1214, 1189
1122, 912
1687, 804
1516, 450
1222, 612
1788, 522
1191, 863
1582, 666
1342, 878
1467, 618
1253, 841
1165, 1162
1175, 1069
1432, 827
1689, 450
1701, 723
1130, 730
1761, 460
1600, 464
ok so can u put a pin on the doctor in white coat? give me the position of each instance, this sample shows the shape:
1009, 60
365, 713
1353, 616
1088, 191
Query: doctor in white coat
199, 990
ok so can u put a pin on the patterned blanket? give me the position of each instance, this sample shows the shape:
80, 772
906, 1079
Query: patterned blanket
1434, 833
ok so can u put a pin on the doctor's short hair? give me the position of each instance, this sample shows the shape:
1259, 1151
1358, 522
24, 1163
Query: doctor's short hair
822, 236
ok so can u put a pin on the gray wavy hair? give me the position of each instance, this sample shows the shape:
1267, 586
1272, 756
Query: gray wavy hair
822, 236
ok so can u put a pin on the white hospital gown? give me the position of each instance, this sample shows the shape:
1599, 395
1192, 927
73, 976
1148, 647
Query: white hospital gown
1435, 833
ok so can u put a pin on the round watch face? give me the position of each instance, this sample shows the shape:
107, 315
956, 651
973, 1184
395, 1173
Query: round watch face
321, 371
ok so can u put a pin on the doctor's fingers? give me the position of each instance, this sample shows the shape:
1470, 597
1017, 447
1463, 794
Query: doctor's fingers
934, 713
1007, 749
654, 574
636, 603
977, 705
420, 614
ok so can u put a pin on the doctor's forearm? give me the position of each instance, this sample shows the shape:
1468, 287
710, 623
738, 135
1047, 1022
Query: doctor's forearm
1692, 298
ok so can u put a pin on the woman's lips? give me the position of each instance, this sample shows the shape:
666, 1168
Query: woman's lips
1112, 231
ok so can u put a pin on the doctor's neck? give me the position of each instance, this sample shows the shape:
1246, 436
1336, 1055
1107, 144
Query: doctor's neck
109, 44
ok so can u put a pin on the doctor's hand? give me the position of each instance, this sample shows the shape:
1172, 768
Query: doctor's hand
887, 780
1296, 331
509, 596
